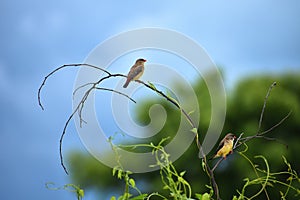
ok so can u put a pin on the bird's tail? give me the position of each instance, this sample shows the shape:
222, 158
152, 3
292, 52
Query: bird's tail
126, 84
214, 156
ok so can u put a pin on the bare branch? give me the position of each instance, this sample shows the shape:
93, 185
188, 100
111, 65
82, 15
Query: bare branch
216, 165
264, 106
59, 68
81, 103
115, 91
170, 100
237, 140
261, 134
241, 140
276, 125
82, 86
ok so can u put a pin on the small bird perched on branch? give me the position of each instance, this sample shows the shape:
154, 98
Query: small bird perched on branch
225, 146
136, 71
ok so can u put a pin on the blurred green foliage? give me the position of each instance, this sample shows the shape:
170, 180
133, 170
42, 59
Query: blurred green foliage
244, 104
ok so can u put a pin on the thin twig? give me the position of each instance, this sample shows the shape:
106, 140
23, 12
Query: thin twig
264, 106
237, 140
170, 100
115, 91
71, 116
59, 68
261, 134
276, 125
257, 135
82, 86
216, 165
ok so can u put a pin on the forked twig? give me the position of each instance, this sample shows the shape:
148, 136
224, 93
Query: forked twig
259, 134
59, 68
81, 103
264, 106
115, 91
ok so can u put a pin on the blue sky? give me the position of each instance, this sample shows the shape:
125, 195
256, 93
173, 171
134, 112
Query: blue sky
245, 37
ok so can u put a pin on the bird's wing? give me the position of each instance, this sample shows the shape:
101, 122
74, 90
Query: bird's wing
135, 71
221, 144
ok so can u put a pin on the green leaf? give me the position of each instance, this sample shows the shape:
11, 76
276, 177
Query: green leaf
289, 178
168, 94
203, 165
132, 182
129, 172
114, 171
174, 100
182, 173
194, 130
113, 198
198, 196
205, 196
152, 85
119, 174
140, 197
234, 198
126, 195
81, 193
166, 187
180, 179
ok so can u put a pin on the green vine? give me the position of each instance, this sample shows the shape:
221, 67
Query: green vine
69, 187
268, 179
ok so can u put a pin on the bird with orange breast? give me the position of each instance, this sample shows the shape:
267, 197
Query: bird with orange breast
136, 71
225, 146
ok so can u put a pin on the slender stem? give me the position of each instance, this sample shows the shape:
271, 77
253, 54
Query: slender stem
264, 106
59, 68
242, 140
216, 165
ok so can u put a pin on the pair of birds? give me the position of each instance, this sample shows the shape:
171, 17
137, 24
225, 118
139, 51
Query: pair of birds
226, 144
